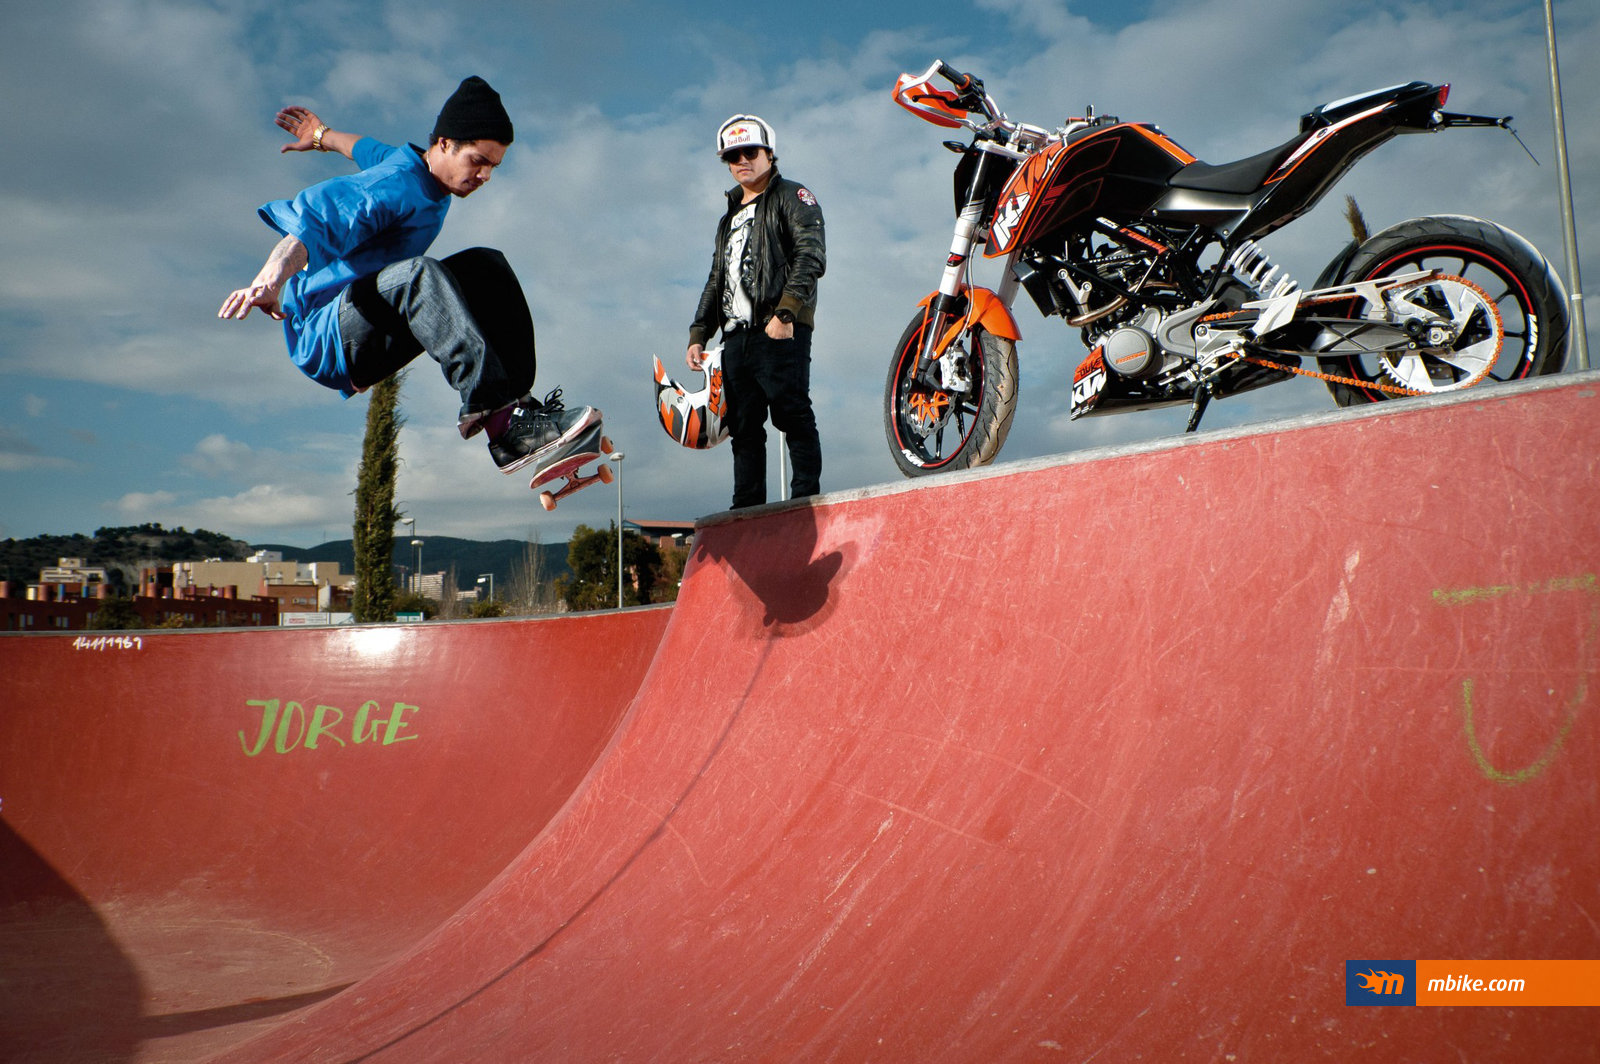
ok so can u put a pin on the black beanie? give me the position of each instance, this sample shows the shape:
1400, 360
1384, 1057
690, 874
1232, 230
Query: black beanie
473, 112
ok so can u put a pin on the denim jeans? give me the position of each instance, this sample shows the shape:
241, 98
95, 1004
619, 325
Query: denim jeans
761, 375
467, 311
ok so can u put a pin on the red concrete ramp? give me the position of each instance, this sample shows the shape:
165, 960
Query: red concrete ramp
1116, 758
201, 832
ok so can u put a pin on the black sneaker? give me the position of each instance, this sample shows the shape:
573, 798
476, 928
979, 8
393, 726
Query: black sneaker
537, 430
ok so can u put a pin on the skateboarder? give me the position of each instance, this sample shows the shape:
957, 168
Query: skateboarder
359, 299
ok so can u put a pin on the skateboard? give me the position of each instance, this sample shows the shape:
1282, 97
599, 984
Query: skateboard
592, 447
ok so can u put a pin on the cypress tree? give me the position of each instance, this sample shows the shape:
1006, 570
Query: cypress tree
375, 510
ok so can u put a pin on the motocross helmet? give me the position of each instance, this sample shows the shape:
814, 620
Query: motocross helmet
694, 419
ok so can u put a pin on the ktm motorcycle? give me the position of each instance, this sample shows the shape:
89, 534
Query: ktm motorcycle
1153, 254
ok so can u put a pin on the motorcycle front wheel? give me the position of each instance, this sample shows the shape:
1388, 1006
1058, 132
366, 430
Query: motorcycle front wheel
1507, 298
931, 428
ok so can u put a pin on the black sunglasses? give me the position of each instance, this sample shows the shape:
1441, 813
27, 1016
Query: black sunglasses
733, 155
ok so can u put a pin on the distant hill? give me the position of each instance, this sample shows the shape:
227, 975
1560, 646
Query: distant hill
122, 552
468, 558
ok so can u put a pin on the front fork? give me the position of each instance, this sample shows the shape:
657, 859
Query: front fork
951, 305
947, 302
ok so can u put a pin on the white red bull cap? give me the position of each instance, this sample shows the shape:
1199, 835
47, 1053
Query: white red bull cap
746, 131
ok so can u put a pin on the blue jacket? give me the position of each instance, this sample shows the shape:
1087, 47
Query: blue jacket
352, 227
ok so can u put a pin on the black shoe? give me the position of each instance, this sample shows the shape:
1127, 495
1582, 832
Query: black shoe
536, 430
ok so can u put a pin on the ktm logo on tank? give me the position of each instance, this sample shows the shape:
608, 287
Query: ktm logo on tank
1008, 216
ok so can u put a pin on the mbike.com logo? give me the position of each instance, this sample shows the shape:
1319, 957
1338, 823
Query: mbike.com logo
1380, 982
1473, 982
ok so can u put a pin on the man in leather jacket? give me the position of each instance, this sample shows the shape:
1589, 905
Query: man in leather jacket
762, 295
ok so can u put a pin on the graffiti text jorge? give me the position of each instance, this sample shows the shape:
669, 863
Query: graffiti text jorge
289, 726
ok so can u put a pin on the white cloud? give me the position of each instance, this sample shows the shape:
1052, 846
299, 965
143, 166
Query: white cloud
118, 255
136, 503
265, 506
261, 509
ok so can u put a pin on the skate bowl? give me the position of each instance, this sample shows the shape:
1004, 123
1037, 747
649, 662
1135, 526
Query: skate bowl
1116, 756
203, 831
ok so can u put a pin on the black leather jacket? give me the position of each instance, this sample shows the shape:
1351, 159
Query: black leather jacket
790, 255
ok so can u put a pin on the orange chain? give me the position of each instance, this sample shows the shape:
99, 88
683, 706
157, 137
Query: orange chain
1395, 389
1354, 382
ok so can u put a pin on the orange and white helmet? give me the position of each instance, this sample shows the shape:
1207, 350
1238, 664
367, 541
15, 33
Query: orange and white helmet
746, 131
694, 419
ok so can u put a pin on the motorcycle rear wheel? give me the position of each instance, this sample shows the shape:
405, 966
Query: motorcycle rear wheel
931, 430
1509, 271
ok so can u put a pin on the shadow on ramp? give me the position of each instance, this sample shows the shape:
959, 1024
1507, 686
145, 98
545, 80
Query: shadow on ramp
67, 991
785, 584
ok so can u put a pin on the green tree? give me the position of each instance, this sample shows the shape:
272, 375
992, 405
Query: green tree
673, 562
415, 602
375, 510
592, 556
114, 614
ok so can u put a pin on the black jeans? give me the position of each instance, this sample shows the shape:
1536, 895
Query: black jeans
761, 375
467, 311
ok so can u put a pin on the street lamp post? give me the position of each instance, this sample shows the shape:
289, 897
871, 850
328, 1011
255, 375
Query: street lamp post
489, 577
1569, 229
616, 458
416, 573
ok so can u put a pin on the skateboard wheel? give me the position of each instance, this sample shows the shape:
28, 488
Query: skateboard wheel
605, 473
547, 500
605, 445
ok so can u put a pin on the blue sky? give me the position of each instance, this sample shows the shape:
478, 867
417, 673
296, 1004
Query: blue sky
143, 141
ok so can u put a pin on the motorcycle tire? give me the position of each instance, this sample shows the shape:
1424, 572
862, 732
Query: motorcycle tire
930, 430
1503, 267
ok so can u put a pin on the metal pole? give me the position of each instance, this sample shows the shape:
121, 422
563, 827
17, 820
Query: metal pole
783, 466
617, 457
1569, 227
416, 573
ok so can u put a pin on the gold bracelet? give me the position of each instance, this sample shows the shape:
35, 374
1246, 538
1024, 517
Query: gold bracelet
316, 138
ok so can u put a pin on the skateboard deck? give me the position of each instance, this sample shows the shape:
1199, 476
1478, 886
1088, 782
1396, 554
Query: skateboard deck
594, 447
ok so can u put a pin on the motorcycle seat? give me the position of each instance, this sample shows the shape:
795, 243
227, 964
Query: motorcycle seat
1338, 110
1237, 178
